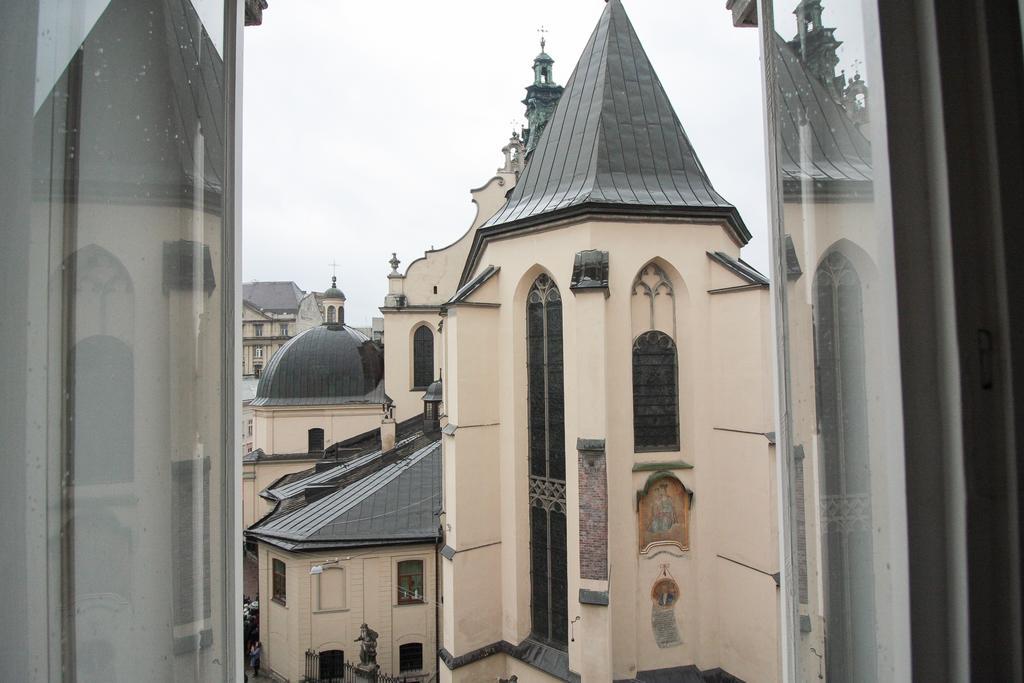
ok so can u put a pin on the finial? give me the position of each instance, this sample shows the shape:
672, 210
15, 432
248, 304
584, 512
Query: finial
334, 281
394, 263
542, 31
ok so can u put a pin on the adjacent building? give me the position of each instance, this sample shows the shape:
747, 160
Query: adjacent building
352, 540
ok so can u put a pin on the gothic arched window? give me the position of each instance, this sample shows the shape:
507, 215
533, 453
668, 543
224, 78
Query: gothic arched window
839, 373
316, 440
655, 393
422, 357
549, 607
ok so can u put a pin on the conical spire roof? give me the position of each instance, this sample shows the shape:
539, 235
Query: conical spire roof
614, 142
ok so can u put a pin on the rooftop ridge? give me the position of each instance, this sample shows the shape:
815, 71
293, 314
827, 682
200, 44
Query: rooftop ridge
614, 140
309, 518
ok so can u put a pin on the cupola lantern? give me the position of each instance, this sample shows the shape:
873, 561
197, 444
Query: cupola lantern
432, 408
334, 304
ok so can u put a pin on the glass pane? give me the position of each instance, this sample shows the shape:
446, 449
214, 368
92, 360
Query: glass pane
845, 530
118, 370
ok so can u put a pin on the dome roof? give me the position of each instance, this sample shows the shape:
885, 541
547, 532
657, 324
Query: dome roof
333, 292
326, 365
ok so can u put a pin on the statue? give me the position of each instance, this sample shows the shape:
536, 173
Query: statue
368, 648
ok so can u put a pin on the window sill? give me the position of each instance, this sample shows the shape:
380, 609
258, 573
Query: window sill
410, 603
658, 449
279, 601
332, 610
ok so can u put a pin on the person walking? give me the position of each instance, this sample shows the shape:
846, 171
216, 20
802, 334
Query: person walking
254, 658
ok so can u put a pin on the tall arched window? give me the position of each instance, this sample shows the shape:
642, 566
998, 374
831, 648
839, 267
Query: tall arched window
422, 357
316, 440
655, 393
548, 573
846, 500
331, 315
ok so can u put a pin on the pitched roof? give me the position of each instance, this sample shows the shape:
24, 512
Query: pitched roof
740, 267
396, 503
275, 297
834, 153
614, 141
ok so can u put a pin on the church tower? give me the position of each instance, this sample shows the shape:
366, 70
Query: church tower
541, 97
817, 46
334, 304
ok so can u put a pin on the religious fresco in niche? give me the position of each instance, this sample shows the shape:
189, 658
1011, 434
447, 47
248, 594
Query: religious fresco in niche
664, 596
663, 514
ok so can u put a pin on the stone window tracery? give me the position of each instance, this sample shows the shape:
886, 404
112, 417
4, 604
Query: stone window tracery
548, 560
846, 500
655, 393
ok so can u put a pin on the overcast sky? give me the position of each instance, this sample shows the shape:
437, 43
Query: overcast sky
366, 123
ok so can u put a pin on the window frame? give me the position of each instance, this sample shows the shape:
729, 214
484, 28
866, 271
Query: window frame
635, 353
310, 433
257, 329
405, 599
402, 669
415, 385
336, 659
279, 593
343, 607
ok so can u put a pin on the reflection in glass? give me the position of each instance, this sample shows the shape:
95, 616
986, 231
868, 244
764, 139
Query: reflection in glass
835, 298
115, 260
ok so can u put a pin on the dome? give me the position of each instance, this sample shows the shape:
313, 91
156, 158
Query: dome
326, 365
333, 292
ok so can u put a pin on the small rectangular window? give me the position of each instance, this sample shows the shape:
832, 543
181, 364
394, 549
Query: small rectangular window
258, 351
284, 330
279, 591
410, 657
332, 665
258, 329
410, 582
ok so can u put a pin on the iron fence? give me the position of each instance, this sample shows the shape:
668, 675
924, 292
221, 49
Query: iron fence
330, 667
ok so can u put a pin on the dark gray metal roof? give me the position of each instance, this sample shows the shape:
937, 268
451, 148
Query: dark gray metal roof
474, 284
614, 140
286, 487
398, 503
325, 365
740, 267
836, 153
274, 297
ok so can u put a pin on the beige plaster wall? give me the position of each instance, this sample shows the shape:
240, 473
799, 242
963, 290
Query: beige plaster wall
723, 380
257, 476
309, 620
285, 429
399, 327
427, 283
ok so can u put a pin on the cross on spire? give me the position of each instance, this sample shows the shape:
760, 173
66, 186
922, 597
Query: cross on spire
334, 268
542, 31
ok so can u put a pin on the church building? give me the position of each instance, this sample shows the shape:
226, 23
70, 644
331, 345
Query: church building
596, 355
608, 457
